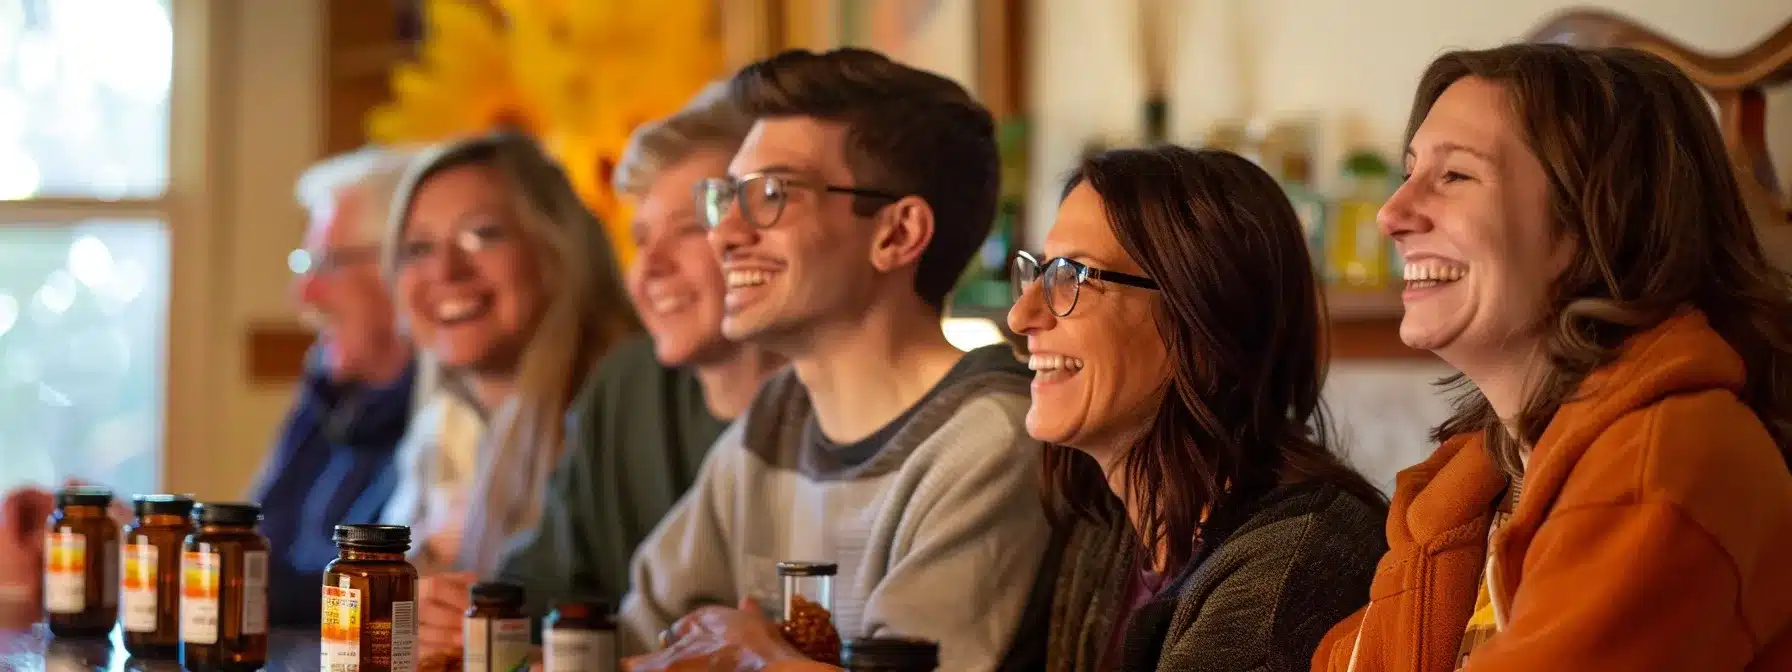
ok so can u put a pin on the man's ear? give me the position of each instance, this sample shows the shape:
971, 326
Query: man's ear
904, 229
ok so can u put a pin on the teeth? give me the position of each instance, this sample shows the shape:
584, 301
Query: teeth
1045, 363
1434, 271
748, 278
457, 309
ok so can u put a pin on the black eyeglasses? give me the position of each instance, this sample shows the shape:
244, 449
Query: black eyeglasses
1062, 280
761, 197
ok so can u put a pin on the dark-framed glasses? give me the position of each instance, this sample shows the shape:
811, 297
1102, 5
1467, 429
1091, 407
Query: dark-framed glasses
761, 197
1061, 280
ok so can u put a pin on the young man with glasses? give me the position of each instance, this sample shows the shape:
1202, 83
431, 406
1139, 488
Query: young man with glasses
854, 205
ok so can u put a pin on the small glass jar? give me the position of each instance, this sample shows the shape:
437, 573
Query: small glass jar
224, 590
370, 601
149, 586
890, 654
81, 564
580, 636
495, 632
807, 621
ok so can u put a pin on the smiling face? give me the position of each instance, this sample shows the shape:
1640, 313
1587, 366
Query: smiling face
1472, 221
1101, 370
343, 295
675, 282
809, 266
468, 280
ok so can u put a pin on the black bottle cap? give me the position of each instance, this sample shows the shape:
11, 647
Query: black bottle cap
162, 505
496, 592
898, 653
373, 537
84, 495
226, 513
794, 568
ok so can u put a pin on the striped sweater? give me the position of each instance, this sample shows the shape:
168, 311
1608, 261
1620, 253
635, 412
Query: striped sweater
934, 521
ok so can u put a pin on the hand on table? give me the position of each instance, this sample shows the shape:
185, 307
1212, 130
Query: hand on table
441, 604
718, 638
23, 515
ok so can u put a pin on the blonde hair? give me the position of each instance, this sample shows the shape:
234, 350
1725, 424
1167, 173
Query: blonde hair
711, 120
587, 313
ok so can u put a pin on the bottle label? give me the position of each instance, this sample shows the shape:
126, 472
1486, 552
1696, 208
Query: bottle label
255, 592
341, 633
578, 650
199, 597
404, 636
65, 572
139, 589
496, 645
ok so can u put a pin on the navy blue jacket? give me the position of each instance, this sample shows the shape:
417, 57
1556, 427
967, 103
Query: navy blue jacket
333, 464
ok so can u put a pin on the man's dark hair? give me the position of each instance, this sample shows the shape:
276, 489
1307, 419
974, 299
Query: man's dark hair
908, 131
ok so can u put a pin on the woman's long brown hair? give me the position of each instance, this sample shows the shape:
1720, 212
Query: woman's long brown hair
1638, 177
1240, 314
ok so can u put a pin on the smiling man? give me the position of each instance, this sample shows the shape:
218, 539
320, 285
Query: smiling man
849, 213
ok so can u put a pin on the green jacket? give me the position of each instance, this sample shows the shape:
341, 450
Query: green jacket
635, 437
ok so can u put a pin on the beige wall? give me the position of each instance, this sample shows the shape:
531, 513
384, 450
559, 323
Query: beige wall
264, 108
1350, 63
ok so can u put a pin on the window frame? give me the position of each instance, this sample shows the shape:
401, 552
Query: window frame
186, 209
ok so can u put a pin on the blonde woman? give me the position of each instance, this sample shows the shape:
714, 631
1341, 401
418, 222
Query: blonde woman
510, 289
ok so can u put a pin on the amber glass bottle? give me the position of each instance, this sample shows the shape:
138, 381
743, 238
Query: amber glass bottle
580, 636
224, 590
370, 601
495, 632
81, 564
149, 588
890, 654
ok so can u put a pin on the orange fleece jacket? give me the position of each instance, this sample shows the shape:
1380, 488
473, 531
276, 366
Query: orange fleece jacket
1654, 532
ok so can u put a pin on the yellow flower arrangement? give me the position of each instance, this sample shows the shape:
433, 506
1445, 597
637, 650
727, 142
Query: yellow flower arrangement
578, 74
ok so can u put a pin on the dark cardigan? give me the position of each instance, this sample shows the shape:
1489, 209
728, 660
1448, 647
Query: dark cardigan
1296, 560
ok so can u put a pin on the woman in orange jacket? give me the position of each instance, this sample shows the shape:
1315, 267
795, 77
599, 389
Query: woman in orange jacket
1613, 491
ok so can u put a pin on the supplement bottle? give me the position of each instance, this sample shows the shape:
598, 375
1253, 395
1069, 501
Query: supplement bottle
580, 636
890, 654
224, 590
808, 613
370, 601
81, 564
149, 585
495, 632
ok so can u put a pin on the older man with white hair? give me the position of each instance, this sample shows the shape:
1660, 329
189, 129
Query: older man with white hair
333, 458
334, 461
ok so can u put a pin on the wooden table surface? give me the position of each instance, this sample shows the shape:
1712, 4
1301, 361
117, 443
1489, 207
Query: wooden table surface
35, 650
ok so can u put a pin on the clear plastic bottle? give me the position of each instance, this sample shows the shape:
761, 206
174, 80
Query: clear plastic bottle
808, 609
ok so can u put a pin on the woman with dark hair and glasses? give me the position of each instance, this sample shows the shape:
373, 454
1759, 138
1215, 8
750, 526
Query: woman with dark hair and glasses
1175, 331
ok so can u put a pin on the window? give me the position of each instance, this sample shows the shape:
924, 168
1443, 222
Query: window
84, 240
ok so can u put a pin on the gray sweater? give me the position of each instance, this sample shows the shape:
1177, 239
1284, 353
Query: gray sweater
1297, 560
934, 521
